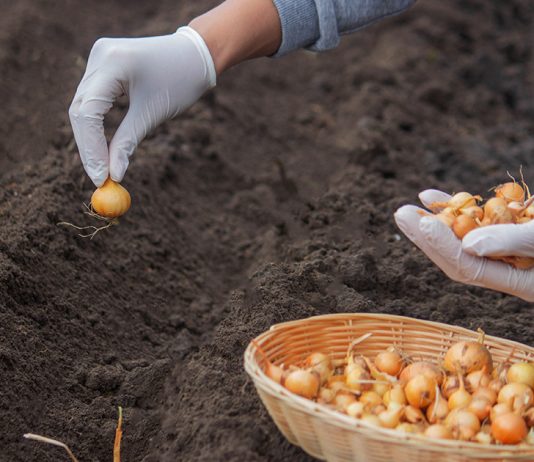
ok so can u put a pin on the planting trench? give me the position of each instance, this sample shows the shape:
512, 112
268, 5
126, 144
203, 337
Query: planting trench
270, 200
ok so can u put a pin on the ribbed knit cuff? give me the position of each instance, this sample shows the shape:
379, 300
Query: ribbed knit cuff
300, 24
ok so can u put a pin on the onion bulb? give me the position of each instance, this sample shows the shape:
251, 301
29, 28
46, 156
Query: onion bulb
462, 200
446, 218
465, 357
378, 409
356, 409
480, 407
381, 388
517, 395
390, 418
343, 400
420, 391
499, 409
521, 373
413, 414
395, 395
515, 208
438, 431
523, 263
483, 437
274, 372
389, 362
486, 393
371, 419
111, 200
477, 379
496, 211
358, 379
326, 395
463, 424
451, 383
303, 382
355, 363
529, 417
460, 398
496, 385
510, 192
509, 428
462, 224
425, 368
529, 212
475, 212
438, 410
321, 363
370, 398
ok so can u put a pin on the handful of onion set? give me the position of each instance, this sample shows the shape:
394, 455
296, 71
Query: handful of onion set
511, 204
464, 397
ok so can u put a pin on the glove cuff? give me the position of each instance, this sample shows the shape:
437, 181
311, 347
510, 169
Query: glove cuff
197, 39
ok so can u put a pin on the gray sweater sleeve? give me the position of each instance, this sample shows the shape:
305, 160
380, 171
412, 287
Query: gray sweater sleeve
318, 24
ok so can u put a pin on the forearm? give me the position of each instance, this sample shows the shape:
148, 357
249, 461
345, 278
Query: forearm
243, 29
238, 30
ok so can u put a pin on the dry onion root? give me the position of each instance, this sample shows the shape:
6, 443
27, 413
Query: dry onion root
53, 442
464, 398
512, 204
108, 203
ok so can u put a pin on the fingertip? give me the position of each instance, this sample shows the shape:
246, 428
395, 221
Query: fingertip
429, 196
117, 178
99, 180
97, 169
118, 166
407, 216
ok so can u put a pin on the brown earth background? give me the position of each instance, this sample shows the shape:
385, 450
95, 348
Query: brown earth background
270, 200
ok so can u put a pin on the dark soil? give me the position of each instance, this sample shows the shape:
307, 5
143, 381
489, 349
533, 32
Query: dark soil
270, 200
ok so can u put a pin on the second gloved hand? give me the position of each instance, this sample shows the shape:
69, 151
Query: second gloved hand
467, 261
162, 76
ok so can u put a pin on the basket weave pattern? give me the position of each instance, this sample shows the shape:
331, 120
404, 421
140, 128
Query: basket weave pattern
333, 436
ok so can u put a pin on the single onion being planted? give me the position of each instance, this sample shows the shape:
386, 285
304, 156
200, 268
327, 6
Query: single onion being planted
111, 200
108, 203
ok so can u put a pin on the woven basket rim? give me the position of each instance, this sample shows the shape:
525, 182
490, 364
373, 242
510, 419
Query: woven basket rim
391, 436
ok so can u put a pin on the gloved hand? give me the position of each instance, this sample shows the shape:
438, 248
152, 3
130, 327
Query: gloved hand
465, 261
162, 76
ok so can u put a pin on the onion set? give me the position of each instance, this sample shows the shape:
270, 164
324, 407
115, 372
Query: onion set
462, 396
511, 204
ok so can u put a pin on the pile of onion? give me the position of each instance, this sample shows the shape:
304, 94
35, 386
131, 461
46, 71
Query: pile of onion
464, 397
511, 204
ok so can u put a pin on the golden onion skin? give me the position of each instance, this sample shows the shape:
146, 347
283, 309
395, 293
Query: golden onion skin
467, 357
111, 200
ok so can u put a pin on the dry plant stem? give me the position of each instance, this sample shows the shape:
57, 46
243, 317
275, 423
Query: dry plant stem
481, 336
434, 411
525, 186
356, 342
96, 229
118, 437
44, 439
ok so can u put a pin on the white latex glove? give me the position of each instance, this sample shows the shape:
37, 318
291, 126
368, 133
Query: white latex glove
162, 76
464, 261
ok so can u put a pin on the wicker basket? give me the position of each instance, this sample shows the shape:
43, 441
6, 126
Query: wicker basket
333, 436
